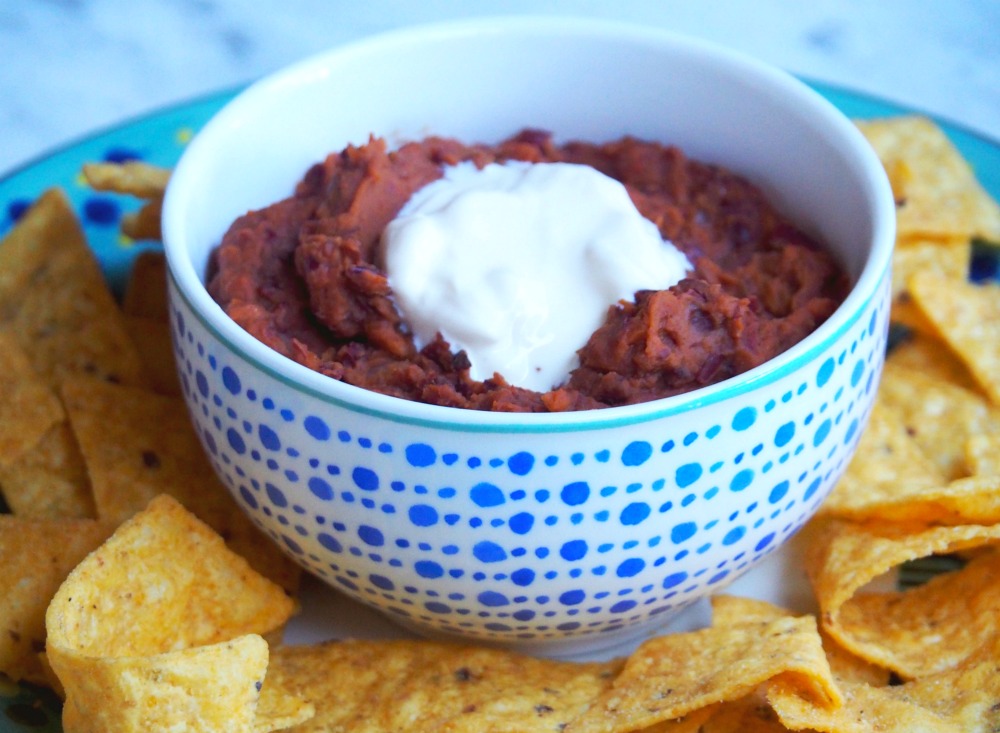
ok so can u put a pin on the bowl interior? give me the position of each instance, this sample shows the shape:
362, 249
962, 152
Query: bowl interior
485, 80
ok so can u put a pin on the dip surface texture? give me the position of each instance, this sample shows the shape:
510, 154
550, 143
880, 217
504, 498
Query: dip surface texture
304, 276
516, 264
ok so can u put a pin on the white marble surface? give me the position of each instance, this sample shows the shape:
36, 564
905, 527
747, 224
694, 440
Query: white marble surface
71, 67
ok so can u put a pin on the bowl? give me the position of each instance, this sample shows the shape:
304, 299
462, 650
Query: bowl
551, 532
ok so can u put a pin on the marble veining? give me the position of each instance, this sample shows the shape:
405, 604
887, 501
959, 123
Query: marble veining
74, 66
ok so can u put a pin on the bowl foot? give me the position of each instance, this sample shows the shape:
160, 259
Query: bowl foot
589, 647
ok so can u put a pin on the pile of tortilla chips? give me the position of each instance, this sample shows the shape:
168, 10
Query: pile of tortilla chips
92, 425
122, 595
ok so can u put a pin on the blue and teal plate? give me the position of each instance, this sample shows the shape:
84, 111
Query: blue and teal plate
159, 138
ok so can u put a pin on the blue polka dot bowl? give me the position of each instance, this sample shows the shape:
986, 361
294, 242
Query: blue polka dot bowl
559, 532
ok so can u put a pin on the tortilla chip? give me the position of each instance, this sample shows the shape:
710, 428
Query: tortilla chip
28, 406
890, 478
866, 708
962, 501
278, 708
729, 610
160, 626
903, 312
932, 626
54, 299
138, 444
850, 669
673, 675
931, 356
144, 223
163, 581
887, 468
968, 695
421, 686
967, 318
749, 714
982, 454
204, 690
37, 556
49, 481
146, 289
866, 705
133, 177
947, 258
152, 340
963, 699
693, 722
915, 632
940, 417
936, 190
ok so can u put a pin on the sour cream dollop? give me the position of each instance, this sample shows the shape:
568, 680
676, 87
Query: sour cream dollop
518, 263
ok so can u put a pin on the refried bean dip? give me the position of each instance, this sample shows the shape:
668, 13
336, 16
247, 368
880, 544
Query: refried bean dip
302, 276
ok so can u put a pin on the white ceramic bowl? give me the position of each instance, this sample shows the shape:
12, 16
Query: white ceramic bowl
557, 531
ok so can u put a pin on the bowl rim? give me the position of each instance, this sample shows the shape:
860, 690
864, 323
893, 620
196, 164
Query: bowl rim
186, 284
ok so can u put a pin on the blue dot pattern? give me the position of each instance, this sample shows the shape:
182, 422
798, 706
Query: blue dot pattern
521, 536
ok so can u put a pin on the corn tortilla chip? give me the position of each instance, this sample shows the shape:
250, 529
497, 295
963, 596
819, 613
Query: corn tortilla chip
940, 417
729, 610
850, 669
673, 675
947, 258
54, 299
887, 468
146, 289
968, 694
866, 708
890, 478
962, 501
37, 555
163, 581
28, 406
278, 708
49, 481
936, 190
152, 340
210, 689
962, 699
693, 722
51, 680
405, 686
144, 223
133, 177
867, 703
749, 714
903, 312
934, 358
160, 627
138, 444
916, 632
982, 453
932, 626
967, 317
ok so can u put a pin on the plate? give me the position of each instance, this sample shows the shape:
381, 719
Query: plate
159, 138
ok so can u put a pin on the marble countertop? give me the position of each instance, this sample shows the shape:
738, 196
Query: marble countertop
72, 67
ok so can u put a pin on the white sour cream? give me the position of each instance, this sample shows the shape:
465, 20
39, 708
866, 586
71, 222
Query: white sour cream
518, 263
